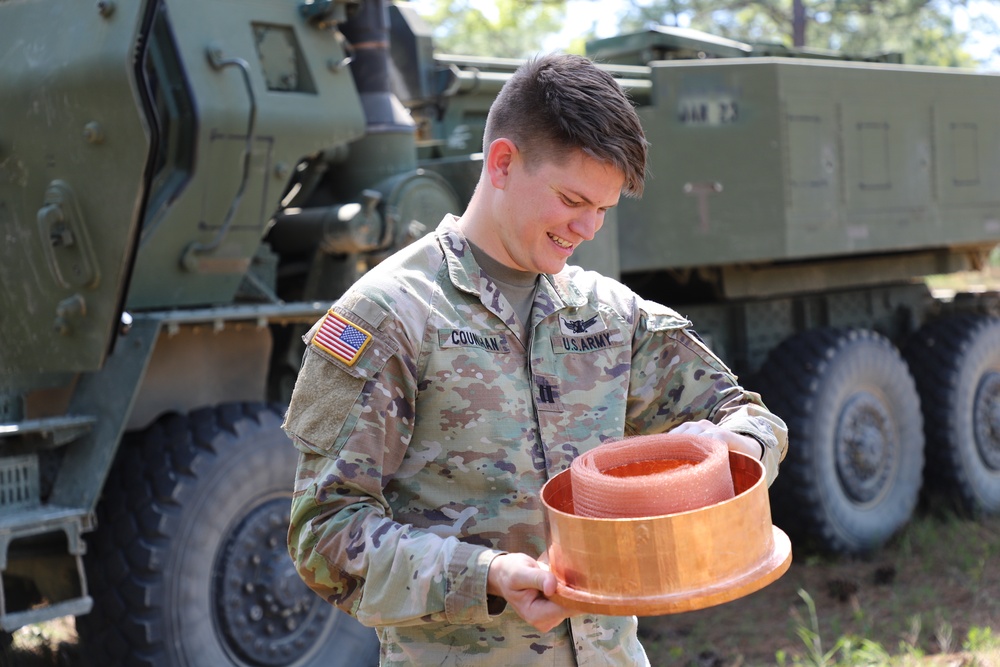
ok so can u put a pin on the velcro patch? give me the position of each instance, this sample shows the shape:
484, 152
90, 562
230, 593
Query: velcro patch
492, 341
584, 325
592, 343
340, 338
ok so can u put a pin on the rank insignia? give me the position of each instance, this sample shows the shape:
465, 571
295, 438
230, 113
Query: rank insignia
341, 338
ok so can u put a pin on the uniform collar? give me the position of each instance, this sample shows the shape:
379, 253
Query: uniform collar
555, 292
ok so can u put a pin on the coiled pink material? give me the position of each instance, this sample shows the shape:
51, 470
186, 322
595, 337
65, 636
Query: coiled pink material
651, 475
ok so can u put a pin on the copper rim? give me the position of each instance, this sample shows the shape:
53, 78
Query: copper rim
666, 564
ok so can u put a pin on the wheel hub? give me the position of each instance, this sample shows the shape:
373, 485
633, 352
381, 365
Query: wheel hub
865, 447
986, 419
266, 614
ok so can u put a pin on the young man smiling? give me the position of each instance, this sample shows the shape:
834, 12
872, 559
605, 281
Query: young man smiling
441, 391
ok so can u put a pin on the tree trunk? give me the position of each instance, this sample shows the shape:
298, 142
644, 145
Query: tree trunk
798, 23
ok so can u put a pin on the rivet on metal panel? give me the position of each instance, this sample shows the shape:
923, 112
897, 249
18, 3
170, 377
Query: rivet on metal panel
68, 310
106, 8
214, 53
93, 133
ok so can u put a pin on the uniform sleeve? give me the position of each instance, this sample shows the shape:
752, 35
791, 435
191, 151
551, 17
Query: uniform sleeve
676, 379
352, 425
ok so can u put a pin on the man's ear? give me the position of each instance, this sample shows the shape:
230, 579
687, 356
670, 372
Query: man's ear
499, 159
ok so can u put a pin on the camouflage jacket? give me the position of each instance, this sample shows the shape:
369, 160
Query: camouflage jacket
427, 431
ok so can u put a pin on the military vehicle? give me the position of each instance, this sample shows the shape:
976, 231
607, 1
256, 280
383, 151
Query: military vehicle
186, 185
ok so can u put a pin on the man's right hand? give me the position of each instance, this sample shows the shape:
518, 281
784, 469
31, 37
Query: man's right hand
526, 584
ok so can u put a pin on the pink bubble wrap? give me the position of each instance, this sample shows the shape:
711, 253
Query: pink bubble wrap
651, 475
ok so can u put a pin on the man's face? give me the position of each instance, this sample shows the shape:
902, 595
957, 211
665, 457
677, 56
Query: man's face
549, 209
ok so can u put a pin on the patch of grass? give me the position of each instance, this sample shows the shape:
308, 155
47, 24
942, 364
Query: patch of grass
929, 597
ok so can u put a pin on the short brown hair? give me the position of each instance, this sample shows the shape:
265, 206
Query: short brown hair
556, 103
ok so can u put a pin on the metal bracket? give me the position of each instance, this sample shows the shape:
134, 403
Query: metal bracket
65, 240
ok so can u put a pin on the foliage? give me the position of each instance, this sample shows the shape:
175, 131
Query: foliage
923, 30
810, 636
854, 651
980, 639
503, 28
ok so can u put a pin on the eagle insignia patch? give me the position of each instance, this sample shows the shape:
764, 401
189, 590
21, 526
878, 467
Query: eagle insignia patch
582, 326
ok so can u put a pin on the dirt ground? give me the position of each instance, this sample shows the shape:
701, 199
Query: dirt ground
930, 597
918, 599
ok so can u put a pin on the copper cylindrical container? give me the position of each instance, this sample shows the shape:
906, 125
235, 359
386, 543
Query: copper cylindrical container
666, 564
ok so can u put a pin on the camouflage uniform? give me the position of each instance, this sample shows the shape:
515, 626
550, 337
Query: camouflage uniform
424, 459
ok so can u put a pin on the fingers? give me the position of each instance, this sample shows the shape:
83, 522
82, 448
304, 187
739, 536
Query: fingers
736, 442
536, 579
544, 614
526, 585
694, 428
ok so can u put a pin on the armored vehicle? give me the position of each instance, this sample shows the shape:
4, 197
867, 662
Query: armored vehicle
186, 186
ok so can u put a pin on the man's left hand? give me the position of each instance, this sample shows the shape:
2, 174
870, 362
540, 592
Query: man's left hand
735, 441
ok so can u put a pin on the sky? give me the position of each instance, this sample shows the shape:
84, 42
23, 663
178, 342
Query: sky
582, 14
982, 48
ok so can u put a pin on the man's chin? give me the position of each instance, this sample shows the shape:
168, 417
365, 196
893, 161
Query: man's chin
554, 267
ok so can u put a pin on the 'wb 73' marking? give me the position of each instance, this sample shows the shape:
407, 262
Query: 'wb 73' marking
708, 111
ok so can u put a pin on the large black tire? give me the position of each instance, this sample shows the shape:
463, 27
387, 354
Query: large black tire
188, 565
956, 363
852, 474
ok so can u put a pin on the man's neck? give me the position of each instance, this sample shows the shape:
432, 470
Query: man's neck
499, 271
478, 227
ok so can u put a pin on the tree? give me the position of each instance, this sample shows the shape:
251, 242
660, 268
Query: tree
503, 28
923, 30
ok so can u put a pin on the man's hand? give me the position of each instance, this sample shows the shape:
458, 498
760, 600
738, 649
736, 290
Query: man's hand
526, 584
735, 441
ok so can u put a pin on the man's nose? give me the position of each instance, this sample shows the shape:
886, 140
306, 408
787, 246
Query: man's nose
586, 224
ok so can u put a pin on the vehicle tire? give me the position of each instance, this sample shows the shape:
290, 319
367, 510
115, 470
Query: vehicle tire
852, 474
956, 364
188, 564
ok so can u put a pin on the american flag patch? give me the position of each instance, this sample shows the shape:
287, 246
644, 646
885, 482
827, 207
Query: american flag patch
343, 340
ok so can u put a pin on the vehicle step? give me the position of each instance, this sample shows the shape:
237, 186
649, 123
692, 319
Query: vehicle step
72, 521
74, 607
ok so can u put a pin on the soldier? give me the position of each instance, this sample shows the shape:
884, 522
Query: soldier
444, 388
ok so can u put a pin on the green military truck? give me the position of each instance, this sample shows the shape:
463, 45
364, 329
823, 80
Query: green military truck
186, 185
